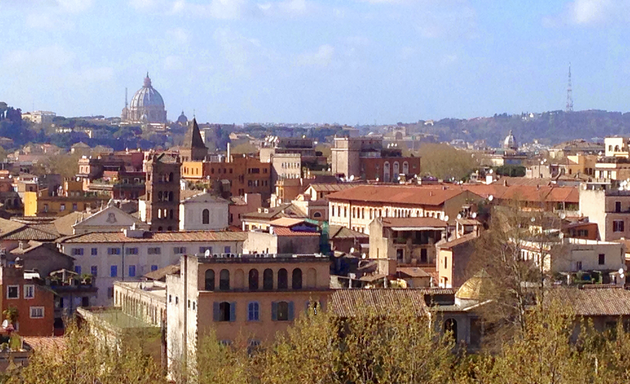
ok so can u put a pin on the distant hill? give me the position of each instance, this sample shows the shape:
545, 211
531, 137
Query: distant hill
548, 127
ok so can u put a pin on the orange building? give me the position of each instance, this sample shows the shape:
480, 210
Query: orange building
34, 303
245, 174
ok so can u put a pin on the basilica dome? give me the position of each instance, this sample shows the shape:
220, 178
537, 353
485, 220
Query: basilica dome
510, 142
147, 105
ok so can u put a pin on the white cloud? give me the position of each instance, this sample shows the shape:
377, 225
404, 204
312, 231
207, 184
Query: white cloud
48, 56
216, 9
237, 50
288, 8
322, 57
173, 63
75, 6
590, 12
178, 36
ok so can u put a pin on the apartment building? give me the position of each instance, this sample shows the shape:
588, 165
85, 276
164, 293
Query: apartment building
607, 207
70, 198
127, 255
250, 295
355, 208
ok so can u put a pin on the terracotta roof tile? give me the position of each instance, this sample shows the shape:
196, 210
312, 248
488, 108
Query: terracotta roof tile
353, 302
281, 231
153, 237
598, 301
398, 194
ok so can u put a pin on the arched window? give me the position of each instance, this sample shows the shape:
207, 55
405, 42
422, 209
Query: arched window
386, 177
268, 279
317, 215
396, 170
170, 195
253, 279
159, 195
171, 178
296, 279
405, 168
210, 280
450, 325
224, 280
171, 214
283, 279
205, 216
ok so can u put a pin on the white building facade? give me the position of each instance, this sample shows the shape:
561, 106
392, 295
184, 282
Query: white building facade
128, 255
203, 212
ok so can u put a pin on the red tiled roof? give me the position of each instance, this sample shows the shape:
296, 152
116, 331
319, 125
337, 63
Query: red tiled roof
398, 194
352, 302
153, 237
453, 243
281, 231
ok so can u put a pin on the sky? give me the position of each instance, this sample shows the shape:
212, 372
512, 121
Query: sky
316, 61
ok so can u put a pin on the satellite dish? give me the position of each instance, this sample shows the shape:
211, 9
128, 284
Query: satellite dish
446, 218
5, 324
351, 177
563, 215
207, 253
490, 198
363, 256
474, 215
621, 271
459, 216
352, 250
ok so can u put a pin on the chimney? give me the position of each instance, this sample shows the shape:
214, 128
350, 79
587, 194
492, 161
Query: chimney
229, 159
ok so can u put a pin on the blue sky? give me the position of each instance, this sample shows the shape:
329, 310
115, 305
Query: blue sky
344, 61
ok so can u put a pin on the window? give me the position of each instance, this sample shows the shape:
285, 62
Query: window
224, 311
227, 249
296, 281
450, 326
113, 251
77, 251
253, 310
578, 265
113, 271
268, 279
154, 267
131, 251
204, 249
179, 250
13, 292
132, 271
37, 312
77, 269
29, 291
205, 216
94, 252
62, 207
618, 226
224, 280
617, 206
94, 270
74, 206
445, 262
283, 279
110, 292
602, 259
209, 286
282, 311
253, 279
154, 250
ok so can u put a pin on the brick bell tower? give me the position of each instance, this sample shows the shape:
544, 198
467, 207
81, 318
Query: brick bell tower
162, 185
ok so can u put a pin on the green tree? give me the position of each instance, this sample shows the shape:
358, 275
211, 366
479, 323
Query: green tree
446, 162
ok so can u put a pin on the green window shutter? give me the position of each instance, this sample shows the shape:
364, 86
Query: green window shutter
215, 311
233, 311
290, 311
274, 311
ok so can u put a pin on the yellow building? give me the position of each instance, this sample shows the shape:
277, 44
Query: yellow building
72, 198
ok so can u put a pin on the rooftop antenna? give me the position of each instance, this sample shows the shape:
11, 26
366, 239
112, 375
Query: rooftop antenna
569, 93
